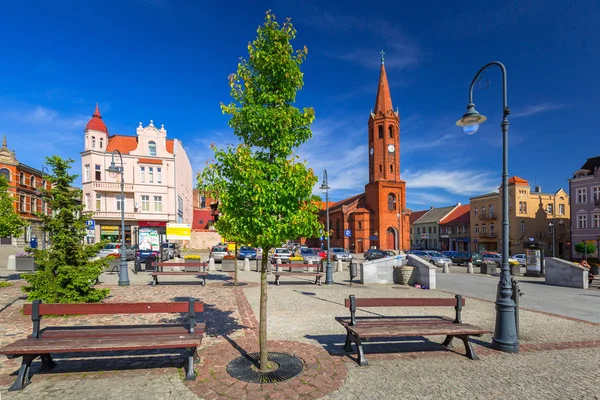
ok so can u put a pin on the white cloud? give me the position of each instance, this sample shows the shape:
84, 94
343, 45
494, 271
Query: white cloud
427, 198
459, 182
537, 109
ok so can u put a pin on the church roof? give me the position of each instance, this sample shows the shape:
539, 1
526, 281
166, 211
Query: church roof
435, 215
383, 102
96, 123
346, 202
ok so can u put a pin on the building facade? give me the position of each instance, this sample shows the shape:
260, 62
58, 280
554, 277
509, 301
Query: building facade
533, 216
24, 184
455, 229
414, 240
427, 228
157, 181
584, 190
378, 217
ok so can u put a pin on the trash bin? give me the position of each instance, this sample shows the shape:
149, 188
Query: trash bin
138, 265
33, 243
148, 264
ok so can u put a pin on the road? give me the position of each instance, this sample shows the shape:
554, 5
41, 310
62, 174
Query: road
569, 302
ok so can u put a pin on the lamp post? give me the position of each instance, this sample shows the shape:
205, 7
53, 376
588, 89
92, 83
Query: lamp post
44, 170
399, 230
328, 272
123, 273
552, 228
505, 333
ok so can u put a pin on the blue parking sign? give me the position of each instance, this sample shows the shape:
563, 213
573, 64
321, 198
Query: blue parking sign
91, 224
348, 232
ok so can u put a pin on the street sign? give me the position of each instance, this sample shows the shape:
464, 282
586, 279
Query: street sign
532, 239
348, 232
372, 237
91, 224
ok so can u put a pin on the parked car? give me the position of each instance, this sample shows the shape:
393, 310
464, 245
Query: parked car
521, 258
337, 253
322, 253
434, 257
152, 255
115, 248
247, 252
497, 258
218, 252
309, 256
462, 258
172, 249
374, 254
449, 253
282, 254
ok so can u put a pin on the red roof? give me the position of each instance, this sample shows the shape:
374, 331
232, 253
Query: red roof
460, 214
170, 145
515, 180
96, 123
125, 144
149, 161
415, 215
383, 101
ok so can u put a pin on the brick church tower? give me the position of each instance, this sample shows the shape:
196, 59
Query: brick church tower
385, 194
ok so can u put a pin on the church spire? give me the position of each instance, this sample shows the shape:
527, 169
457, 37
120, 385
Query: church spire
383, 102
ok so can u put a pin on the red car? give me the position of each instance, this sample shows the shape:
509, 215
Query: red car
322, 253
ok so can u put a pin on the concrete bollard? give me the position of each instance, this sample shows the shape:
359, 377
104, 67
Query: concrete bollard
446, 267
469, 268
246, 265
310, 267
339, 266
12, 263
211, 264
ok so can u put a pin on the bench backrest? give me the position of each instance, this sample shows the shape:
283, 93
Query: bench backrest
318, 266
457, 302
37, 309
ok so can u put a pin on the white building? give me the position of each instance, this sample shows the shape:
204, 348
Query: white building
157, 180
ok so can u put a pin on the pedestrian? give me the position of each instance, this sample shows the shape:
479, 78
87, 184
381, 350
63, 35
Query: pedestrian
591, 276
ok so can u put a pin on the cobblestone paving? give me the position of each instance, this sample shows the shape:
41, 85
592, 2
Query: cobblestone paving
557, 354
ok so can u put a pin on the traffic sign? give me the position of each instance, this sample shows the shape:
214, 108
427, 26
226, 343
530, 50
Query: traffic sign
348, 232
532, 239
91, 224
372, 237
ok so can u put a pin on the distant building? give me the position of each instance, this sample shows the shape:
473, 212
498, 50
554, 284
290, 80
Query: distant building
24, 183
584, 189
532, 216
428, 235
414, 239
455, 229
158, 180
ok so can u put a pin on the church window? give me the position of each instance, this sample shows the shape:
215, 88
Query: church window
359, 225
391, 201
380, 168
93, 142
391, 132
391, 168
101, 143
371, 134
380, 131
152, 148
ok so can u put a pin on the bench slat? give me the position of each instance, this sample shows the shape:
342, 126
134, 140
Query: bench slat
114, 308
179, 273
403, 330
375, 321
54, 346
404, 302
284, 273
181, 264
118, 331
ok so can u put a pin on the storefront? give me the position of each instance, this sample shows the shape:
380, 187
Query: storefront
112, 233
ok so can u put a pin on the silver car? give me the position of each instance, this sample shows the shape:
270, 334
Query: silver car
309, 256
338, 253
115, 248
218, 252
437, 259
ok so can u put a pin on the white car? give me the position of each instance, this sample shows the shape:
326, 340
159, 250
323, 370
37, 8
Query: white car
282, 254
521, 258
497, 258
437, 259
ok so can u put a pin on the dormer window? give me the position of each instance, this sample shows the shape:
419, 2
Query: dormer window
152, 148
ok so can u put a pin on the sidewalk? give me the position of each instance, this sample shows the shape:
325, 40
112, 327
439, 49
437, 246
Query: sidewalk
554, 349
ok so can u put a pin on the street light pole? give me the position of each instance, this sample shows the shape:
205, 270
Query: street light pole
44, 169
328, 272
505, 333
399, 230
552, 227
123, 272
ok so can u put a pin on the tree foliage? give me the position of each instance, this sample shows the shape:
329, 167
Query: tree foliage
66, 270
264, 190
581, 247
11, 223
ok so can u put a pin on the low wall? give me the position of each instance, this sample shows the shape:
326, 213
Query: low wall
425, 272
565, 273
379, 271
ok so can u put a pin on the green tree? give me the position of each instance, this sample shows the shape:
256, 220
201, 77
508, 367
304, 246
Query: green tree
581, 248
66, 270
264, 191
11, 223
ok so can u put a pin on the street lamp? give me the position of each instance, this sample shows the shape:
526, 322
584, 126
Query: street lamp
123, 273
505, 333
41, 194
399, 230
551, 227
328, 272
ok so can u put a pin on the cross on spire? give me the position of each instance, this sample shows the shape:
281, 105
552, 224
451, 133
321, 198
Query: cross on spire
382, 54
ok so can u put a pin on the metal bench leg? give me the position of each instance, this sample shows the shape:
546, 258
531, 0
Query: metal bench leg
23, 377
362, 361
277, 280
203, 280
189, 366
319, 280
448, 342
47, 362
196, 357
154, 280
348, 344
470, 351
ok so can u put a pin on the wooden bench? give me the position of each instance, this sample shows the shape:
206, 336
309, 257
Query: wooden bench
84, 339
291, 267
159, 266
360, 329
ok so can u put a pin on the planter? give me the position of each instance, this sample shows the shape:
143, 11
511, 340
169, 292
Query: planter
24, 264
228, 265
488, 269
113, 265
195, 268
404, 275
595, 269
515, 270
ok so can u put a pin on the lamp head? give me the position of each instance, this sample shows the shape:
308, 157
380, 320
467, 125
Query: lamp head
471, 120
113, 169
324, 187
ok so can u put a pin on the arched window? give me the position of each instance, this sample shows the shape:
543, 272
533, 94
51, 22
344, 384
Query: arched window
391, 132
359, 225
6, 173
380, 131
476, 228
391, 201
151, 148
101, 143
93, 142
380, 168
483, 228
21, 178
392, 168
32, 181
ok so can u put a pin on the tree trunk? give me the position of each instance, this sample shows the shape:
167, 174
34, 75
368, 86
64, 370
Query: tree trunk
235, 281
262, 327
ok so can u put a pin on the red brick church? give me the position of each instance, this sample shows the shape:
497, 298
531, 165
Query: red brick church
378, 217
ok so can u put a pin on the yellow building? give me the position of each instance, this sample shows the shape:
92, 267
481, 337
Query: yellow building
532, 215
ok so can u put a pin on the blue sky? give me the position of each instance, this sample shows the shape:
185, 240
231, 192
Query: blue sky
168, 60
